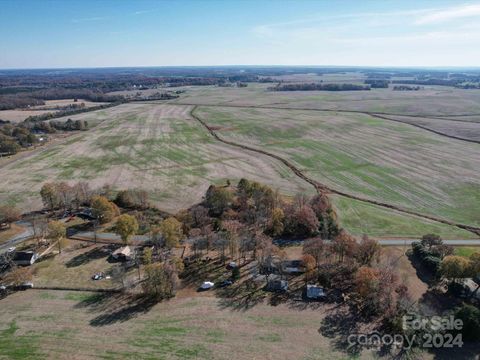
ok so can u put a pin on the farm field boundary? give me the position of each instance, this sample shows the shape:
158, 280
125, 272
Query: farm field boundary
321, 188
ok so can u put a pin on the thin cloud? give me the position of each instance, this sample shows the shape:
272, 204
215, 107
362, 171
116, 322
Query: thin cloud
464, 11
270, 29
96, 18
141, 12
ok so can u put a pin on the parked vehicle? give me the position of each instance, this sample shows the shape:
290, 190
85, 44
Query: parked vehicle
225, 283
206, 285
98, 276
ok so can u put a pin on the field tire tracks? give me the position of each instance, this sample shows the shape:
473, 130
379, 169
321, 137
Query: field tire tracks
321, 188
375, 115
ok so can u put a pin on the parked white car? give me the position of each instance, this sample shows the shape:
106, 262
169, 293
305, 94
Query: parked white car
207, 285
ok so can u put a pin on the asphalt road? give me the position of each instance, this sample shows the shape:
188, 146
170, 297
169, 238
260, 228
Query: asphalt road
111, 237
17, 239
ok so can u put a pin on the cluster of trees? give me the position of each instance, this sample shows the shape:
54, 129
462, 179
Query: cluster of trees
61, 195
66, 112
9, 214
8, 102
161, 279
468, 85
132, 199
15, 137
377, 83
37, 97
257, 205
318, 86
406, 88
456, 268
356, 269
431, 81
157, 96
430, 251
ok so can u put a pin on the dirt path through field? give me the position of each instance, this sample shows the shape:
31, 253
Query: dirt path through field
321, 188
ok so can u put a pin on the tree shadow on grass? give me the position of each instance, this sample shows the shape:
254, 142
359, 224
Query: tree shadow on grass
93, 254
338, 326
436, 301
241, 296
116, 307
422, 272
200, 271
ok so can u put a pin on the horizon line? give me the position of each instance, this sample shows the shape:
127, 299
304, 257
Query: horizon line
473, 67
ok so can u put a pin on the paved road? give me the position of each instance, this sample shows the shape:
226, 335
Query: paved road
111, 237
17, 239
89, 235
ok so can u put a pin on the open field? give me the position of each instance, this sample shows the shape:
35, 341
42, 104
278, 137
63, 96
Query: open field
50, 106
455, 127
366, 156
218, 324
360, 218
159, 148
431, 101
95, 326
43, 324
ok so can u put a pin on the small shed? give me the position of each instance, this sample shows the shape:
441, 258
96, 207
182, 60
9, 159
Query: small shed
293, 267
24, 258
277, 285
314, 292
122, 254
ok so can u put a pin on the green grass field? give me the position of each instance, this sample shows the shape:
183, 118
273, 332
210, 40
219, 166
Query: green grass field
158, 148
41, 324
355, 153
361, 218
466, 251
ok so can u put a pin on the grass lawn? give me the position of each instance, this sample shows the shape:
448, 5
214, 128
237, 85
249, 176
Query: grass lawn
63, 325
5, 235
466, 251
74, 268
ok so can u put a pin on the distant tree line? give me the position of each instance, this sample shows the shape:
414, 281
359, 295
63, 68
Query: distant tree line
318, 86
14, 137
406, 88
442, 82
377, 83
8, 102
66, 112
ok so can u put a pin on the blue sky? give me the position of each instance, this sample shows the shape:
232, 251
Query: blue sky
74, 33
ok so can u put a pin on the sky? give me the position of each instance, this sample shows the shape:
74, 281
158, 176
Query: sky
111, 33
